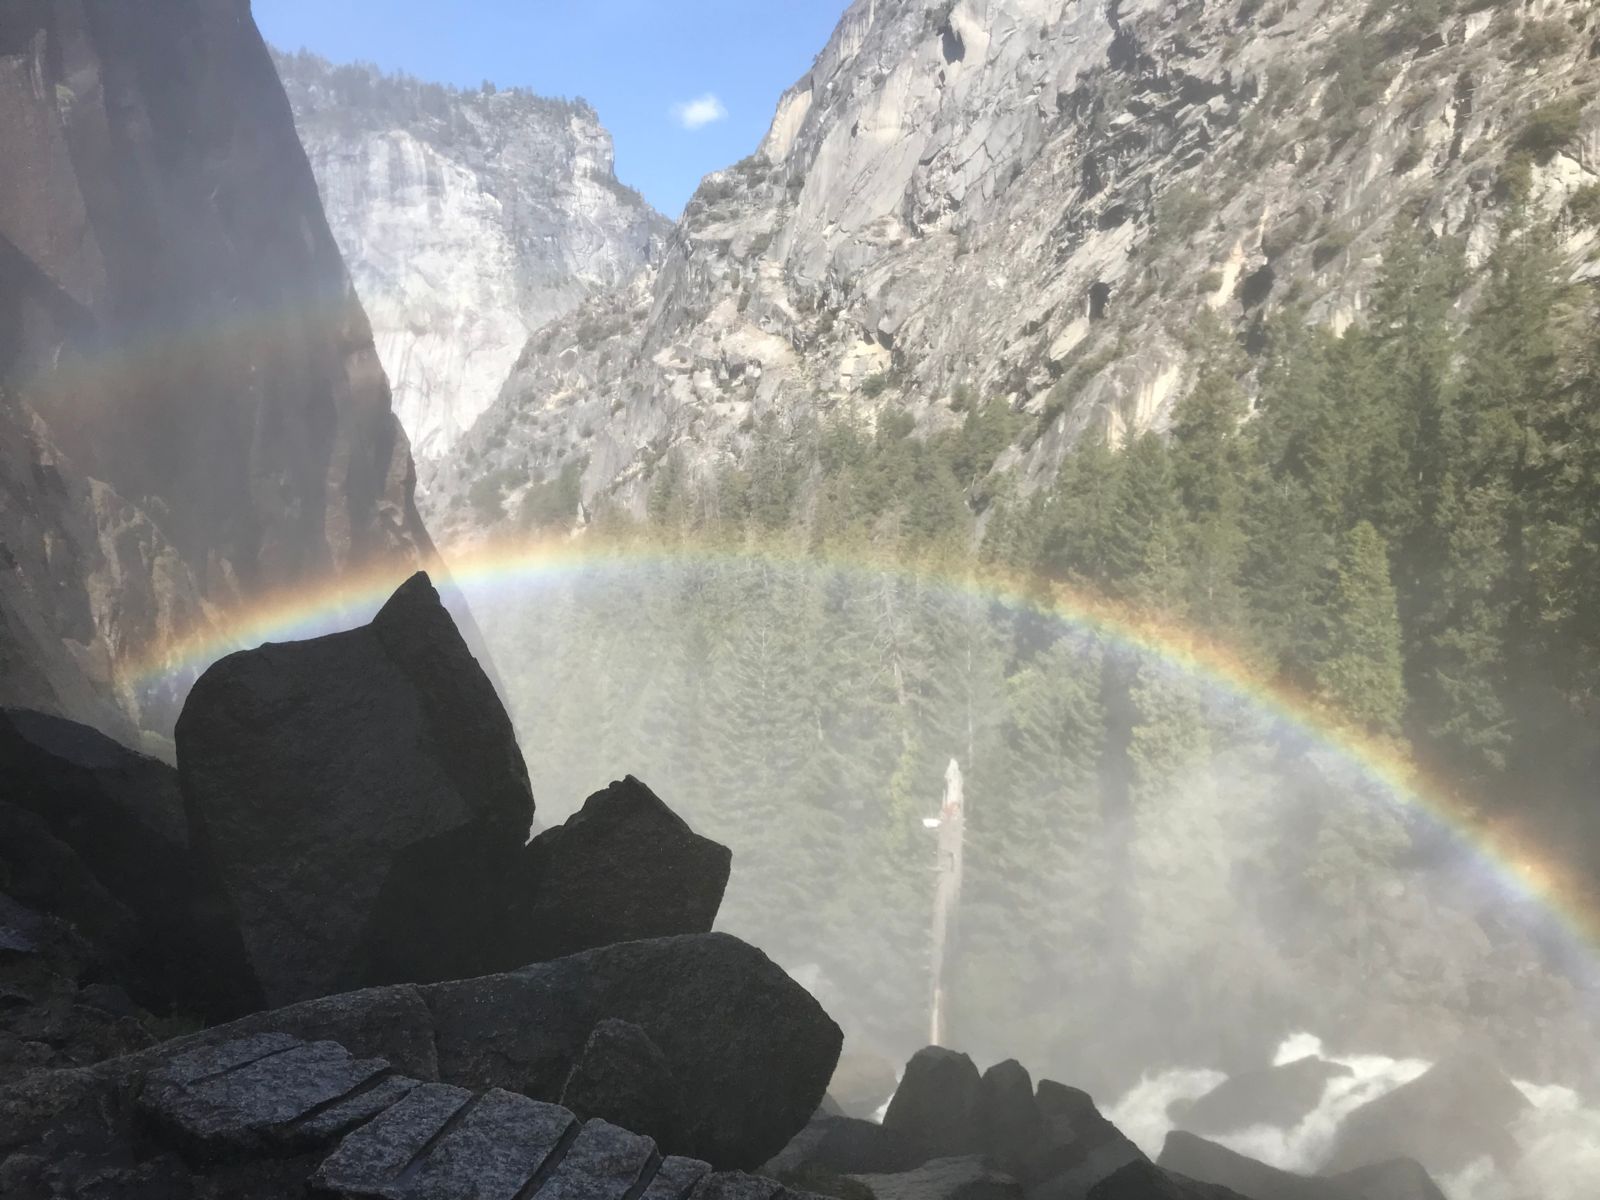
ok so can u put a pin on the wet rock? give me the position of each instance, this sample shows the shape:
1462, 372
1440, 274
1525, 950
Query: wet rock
1281, 1097
841, 1146
623, 1077
750, 1050
246, 1096
369, 1161
603, 1163
361, 802
1143, 1180
1079, 1148
1460, 1110
1195, 1158
494, 1150
935, 1108
1009, 1127
676, 1178
622, 868
964, 1178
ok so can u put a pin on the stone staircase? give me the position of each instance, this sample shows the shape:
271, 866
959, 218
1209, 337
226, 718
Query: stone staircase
383, 1136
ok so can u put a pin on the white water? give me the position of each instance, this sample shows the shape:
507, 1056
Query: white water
1559, 1135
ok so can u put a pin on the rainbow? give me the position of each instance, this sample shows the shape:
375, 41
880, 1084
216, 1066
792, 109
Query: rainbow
483, 571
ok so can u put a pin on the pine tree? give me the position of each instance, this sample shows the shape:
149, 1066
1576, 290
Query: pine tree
1360, 674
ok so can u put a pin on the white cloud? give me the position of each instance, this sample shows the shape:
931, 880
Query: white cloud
699, 112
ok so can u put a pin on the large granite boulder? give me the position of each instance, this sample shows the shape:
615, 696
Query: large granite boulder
1462, 1109
1280, 1096
1078, 1149
623, 1077
360, 801
622, 868
131, 889
1195, 1158
275, 1117
963, 1178
747, 1049
935, 1108
1009, 1126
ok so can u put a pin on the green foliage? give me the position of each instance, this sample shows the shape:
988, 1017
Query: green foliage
1542, 39
876, 384
1360, 672
1584, 205
1180, 213
1551, 129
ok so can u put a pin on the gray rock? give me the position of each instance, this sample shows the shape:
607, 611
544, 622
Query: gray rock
1207, 1162
676, 1178
492, 1152
370, 1160
1278, 1096
750, 1050
735, 1186
963, 1178
622, 868
935, 1109
361, 801
1009, 1126
842, 1146
1079, 1148
603, 1163
1143, 1180
245, 1096
323, 1125
1461, 1109
623, 1077
1397, 1179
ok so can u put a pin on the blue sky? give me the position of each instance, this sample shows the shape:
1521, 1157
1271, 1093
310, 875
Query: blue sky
686, 86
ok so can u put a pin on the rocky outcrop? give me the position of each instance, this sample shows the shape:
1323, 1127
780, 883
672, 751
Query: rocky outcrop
361, 802
274, 1116
1033, 199
935, 1109
623, 866
191, 408
748, 1050
1461, 1110
969, 1178
95, 834
1195, 1158
623, 1077
469, 220
1280, 1096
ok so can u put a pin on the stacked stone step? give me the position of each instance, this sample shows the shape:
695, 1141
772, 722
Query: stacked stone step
395, 1138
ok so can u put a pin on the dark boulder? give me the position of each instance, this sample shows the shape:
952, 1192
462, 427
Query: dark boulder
935, 1108
964, 1178
1462, 1109
833, 1146
748, 1048
622, 868
359, 800
1397, 1179
1078, 1147
1009, 1126
623, 1077
1281, 1097
1196, 1158
1143, 1180
121, 815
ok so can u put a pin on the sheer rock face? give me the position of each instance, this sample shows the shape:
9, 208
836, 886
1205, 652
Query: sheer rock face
1008, 195
468, 220
191, 406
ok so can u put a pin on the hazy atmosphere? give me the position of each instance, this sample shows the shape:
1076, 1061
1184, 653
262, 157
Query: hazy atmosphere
904, 600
